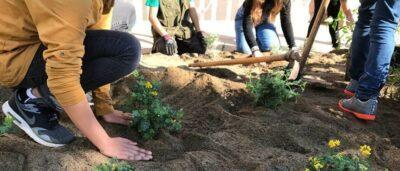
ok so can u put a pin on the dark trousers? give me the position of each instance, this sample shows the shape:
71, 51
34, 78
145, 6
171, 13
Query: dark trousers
109, 56
333, 11
192, 45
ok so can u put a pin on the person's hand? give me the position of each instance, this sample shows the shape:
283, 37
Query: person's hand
295, 53
125, 149
118, 117
257, 54
170, 45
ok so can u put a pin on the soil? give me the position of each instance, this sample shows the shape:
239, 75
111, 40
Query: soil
223, 130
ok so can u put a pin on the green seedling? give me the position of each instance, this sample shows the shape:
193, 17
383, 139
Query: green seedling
114, 165
149, 114
274, 89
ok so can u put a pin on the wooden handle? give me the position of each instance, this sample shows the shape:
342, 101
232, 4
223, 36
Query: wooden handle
298, 67
310, 40
244, 61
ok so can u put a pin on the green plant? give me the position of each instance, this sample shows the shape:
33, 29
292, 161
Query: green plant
211, 39
333, 160
114, 165
394, 76
345, 31
149, 114
7, 125
274, 89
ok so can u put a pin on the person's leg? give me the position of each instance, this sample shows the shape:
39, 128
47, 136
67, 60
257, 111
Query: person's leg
317, 4
383, 28
241, 43
267, 37
333, 11
360, 44
382, 41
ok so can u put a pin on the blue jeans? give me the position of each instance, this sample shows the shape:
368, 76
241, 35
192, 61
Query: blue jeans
266, 35
373, 45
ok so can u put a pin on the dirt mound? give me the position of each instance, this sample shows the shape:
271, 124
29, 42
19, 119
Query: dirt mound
223, 130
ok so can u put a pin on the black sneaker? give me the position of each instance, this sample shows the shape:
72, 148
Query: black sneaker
37, 119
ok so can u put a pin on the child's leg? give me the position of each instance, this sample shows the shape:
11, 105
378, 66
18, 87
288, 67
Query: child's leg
382, 41
241, 43
267, 37
360, 44
317, 4
333, 11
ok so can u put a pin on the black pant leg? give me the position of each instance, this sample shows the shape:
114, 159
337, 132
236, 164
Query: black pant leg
333, 11
317, 5
109, 56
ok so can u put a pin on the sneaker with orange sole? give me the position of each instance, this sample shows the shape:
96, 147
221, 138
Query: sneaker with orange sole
351, 89
362, 110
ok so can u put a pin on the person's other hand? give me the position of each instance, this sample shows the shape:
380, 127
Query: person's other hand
118, 117
125, 149
170, 45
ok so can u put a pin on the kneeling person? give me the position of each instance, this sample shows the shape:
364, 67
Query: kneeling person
172, 30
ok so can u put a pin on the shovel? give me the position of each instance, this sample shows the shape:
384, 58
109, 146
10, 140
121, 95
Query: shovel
298, 60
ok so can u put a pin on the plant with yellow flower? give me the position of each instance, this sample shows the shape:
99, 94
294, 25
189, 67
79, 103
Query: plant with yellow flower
149, 113
333, 143
365, 150
335, 160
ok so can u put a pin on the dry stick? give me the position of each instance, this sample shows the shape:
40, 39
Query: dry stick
244, 61
310, 40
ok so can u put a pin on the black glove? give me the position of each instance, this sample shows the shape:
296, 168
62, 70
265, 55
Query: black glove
170, 45
202, 38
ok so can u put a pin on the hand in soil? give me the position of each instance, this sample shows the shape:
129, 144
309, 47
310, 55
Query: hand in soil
125, 149
118, 117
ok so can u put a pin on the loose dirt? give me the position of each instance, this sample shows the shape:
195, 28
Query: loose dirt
223, 130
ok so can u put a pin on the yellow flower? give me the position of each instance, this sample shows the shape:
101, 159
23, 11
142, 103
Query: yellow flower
333, 143
148, 85
317, 164
365, 150
154, 93
307, 169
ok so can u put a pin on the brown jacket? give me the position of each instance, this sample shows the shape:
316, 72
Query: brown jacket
60, 25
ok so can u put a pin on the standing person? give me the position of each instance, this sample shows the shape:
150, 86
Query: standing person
371, 52
123, 16
173, 32
50, 55
259, 15
332, 11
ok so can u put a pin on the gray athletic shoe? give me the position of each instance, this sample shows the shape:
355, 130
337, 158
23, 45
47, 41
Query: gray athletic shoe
363, 110
37, 119
351, 89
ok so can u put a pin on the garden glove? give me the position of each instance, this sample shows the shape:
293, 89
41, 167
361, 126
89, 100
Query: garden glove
170, 45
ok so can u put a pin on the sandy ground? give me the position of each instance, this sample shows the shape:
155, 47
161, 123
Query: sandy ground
223, 130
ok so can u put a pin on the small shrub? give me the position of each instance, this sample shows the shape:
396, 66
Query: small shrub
149, 114
211, 39
7, 125
394, 76
274, 89
114, 165
334, 160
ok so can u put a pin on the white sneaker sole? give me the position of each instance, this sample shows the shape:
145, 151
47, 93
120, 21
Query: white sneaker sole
8, 111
